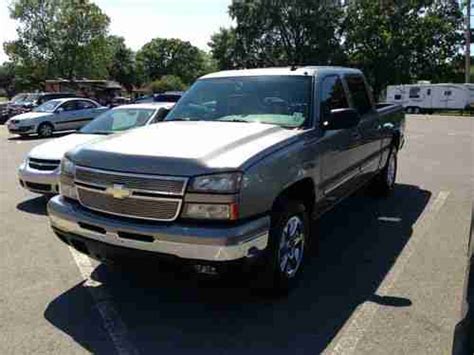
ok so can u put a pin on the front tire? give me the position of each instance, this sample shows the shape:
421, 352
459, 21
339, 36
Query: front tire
45, 130
288, 241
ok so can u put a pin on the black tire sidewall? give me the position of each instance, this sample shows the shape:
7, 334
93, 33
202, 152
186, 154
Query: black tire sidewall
283, 211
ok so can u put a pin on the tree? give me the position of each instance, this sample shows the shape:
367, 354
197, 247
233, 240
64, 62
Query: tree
397, 42
167, 83
60, 38
161, 57
121, 64
223, 45
284, 32
7, 78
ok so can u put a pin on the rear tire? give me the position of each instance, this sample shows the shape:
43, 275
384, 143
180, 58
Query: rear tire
287, 245
45, 130
384, 182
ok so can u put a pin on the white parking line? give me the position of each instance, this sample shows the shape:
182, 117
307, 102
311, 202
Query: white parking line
355, 328
110, 318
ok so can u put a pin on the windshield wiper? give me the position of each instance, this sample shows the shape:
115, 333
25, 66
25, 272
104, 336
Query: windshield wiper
235, 120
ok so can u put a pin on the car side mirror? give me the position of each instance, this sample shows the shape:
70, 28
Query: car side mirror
59, 110
341, 118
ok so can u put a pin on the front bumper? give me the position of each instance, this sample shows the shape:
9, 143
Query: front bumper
210, 243
38, 181
15, 129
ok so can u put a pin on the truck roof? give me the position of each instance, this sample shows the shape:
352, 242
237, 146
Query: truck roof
298, 71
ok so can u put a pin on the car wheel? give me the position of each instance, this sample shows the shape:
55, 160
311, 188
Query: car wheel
384, 182
288, 239
45, 130
408, 110
416, 110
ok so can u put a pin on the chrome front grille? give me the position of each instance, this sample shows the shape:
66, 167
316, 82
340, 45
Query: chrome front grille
147, 183
131, 195
160, 209
43, 164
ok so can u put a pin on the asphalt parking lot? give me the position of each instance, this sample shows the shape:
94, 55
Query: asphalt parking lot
388, 276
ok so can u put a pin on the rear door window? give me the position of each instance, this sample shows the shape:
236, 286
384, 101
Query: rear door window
359, 94
85, 105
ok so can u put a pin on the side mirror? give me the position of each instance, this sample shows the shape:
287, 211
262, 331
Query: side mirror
59, 110
341, 118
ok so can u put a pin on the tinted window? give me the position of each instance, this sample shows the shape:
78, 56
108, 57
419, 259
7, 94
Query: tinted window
84, 105
333, 95
414, 93
398, 97
69, 106
358, 90
428, 92
278, 100
447, 93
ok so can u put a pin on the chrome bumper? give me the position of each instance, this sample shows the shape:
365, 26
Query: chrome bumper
27, 175
209, 243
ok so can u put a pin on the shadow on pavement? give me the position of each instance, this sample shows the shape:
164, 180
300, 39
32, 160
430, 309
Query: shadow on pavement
35, 205
174, 312
36, 137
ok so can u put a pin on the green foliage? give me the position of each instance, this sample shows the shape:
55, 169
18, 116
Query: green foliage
223, 49
161, 57
59, 38
403, 41
283, 32
167, 83
121, 63
7, 78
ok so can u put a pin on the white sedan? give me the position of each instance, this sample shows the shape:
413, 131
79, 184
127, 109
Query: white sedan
55, 115
40, 170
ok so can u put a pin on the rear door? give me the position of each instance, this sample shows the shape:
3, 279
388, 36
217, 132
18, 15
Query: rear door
338, 147
368, 150
65, 116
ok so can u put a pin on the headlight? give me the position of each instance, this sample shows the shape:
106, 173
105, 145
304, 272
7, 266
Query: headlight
210, 211
219, 183
66, 180
68, 167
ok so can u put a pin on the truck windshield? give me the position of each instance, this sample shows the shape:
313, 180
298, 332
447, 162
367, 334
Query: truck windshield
117, 120
278, 100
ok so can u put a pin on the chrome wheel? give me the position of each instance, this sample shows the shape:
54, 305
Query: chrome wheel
291, 246
45, 130
391, 170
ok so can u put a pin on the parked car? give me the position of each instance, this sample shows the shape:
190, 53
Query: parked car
235, 181
169, 96
425, 97
30, 101
55, 115
40, 171
119, 100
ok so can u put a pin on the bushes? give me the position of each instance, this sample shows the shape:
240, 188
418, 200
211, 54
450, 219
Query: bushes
167, 83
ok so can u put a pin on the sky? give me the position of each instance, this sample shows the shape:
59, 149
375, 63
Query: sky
139, 21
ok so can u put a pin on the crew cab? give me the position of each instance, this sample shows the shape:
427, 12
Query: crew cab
234, 173
64, 114
39, 172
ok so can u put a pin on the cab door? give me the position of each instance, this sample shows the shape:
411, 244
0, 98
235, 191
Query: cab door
368, 151
339, 166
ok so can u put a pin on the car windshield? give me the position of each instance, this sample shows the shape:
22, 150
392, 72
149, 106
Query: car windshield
278, 100
18, 98
119, 119
48, 106
31, 98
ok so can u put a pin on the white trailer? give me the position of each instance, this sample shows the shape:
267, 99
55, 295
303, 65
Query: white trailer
426, 97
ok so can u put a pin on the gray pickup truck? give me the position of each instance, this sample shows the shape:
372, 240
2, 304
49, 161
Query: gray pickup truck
234, 174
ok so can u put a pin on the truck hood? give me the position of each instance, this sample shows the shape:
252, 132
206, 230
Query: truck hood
30, 115
182, 148
55, 149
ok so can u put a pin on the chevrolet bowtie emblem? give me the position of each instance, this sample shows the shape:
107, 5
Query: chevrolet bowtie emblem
118, 191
